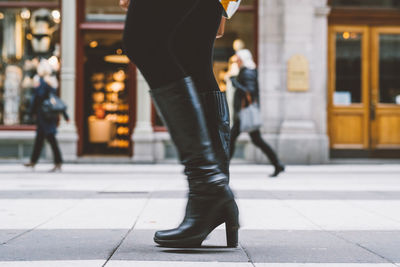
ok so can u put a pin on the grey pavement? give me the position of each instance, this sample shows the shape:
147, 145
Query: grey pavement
106, 215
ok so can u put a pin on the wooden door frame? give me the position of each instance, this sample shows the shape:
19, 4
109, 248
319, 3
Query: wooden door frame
361, 108
379, 108
83, 27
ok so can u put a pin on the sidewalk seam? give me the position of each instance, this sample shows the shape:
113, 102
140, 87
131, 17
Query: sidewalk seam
127, 233
247, 255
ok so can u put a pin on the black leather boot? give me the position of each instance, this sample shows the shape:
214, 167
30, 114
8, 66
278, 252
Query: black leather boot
216, 113
211, 201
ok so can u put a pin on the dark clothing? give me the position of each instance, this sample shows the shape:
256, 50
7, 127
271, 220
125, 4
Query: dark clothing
170, 40
257, 140
45, 128
245, 82
44, 125
38, 146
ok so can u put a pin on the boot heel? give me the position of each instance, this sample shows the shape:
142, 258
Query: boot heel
232, 226
232, 236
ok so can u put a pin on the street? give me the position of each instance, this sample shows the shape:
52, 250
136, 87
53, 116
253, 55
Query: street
106, 215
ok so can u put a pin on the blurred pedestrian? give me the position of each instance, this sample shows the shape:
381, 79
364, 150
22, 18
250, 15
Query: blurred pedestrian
246, 84
171, 42
46, 124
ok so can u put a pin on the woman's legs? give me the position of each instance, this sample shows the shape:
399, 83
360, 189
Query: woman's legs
37, 147
268, 151
211, 201
54, 147
193, 44
149, 28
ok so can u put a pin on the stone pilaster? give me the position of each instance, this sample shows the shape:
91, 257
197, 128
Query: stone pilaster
143, 136
303, 138
68, 136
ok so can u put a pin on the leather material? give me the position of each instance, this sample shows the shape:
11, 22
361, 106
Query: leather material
180, 109
216, 112
211, 201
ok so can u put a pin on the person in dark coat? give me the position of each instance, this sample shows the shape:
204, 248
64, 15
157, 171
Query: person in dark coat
46, 128
247, 83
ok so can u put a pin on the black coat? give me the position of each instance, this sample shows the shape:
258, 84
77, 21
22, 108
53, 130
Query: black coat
245, 82
41, 93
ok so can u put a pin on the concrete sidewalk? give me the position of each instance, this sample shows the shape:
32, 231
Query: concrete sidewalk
106, 215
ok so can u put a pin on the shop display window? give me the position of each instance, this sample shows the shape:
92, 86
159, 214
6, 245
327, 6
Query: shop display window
106, 95
103, 10
29, 37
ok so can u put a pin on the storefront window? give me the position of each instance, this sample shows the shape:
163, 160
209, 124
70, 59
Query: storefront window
348, 68
29, 38
106, 95
103, 10
389, 64
366, 3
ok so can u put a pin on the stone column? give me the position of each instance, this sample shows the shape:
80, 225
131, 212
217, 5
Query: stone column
143, 136
302, 138
269, 67
68, 136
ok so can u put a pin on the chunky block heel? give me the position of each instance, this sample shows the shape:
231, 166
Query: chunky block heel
232, 225
232, 236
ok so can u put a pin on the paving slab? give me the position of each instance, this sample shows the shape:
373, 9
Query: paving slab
62, 245
384, 243
303, 247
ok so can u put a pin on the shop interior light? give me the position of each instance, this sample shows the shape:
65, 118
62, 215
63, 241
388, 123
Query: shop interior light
29, 36
56, 15
119, 51
25, 13
346, 35
117, 59
93, 44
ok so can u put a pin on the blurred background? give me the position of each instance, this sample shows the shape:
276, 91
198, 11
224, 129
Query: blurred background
329, 74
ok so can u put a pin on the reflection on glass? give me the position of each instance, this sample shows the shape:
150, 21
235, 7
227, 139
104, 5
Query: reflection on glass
389, 68
348, 68
106, 95
29, 39
366, 3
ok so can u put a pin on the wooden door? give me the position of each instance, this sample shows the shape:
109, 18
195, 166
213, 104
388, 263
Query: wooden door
349, 83
364, 87
385, 88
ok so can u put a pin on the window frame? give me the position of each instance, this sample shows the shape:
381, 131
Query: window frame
33, 5
84, 26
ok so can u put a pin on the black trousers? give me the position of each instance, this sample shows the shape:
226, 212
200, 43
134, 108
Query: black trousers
256, 139
38, 146
172, 39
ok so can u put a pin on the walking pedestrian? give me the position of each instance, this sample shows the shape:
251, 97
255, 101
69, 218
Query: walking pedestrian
171, 42
246, 84
46, 126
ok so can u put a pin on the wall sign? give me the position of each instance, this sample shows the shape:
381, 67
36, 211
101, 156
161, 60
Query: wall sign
298, 76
